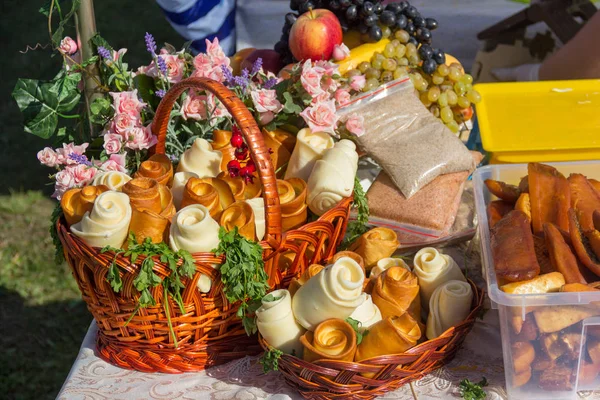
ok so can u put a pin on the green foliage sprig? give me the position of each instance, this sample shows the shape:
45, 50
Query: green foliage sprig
358, 227
270, 360
243, 274
147, 279
473, 391
57, 213
355, 325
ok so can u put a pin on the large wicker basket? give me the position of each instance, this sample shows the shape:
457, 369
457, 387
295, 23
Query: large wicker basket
209, 333
331, 379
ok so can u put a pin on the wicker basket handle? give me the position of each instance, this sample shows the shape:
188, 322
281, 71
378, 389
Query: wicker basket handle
252, 135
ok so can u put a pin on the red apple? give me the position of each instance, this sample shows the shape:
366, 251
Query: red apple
314, 34
271, 60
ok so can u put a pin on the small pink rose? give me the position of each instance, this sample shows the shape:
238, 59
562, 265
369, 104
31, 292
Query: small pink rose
175, 67
194, 106
116, 54
82, 174
70, 148
357, 82
68, 46
342, 97
127, 102
324, 96
64, 181
321, 117
329, 84
116, 162
265, 117
328, 67
355, 124
122, 123
340, 52
216, 53
311, 78
48, 157
141, 138
266, 100
112, 143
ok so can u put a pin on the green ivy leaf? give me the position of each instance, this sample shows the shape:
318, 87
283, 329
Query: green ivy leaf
146, 89
98, 41
58, 34
355, 325
290, 107
101, 110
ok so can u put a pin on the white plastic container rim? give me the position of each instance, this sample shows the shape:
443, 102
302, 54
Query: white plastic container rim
507, 173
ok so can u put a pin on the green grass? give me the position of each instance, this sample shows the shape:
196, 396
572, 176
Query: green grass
42, 317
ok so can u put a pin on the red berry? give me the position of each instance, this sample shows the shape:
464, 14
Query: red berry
241, 153
233, 167
251, 166
236, 131
237, 141
244, 171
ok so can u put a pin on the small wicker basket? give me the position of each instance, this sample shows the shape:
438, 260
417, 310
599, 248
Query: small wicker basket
331, 379
209, 333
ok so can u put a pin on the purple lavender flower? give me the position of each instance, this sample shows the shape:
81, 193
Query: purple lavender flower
270, 83
240, 81
256, 66
104, 53
162, 65
227, 75
150, 43
161, 93
80, 158
245, 73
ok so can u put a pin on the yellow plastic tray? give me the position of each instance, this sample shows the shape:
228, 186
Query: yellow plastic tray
540, 121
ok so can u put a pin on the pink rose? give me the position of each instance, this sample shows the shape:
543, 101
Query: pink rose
70, 148
122, 123
64, 181
265, 117
112, 143
68, 46
329, 67
342, 96
127, 102
116, 162
329, 84
116, 54
355, 124
357, 82
340, 52
324, 96
215, 52
266, 100
48, 157
175, 67
321, 117
141, 138
218, 109
82, 174
194, 106
311, 78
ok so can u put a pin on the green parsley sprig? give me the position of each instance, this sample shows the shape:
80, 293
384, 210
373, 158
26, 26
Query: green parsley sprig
473, 391
358, 227
147, 279
243, 274
57, 213
270, 360
355, 324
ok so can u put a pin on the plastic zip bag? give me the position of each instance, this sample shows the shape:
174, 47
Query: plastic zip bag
404, 138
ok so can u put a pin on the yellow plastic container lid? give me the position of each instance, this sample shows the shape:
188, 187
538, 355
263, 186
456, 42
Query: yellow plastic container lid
540, 121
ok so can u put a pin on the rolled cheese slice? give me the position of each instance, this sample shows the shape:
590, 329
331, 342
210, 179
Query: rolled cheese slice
309, 148
335, 292
375, 244
311, 271
77, 201
385, 264
434, 269
180, 179
276, 323
108, 222
114, 180
194, 230
332, 339
449, 305
201, 159
332, 177
157, 167
367, 314
258, 207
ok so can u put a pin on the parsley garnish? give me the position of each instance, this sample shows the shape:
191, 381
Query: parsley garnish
270, 360
355, 325
270, 297
59, 255
147, 279
358, 227
473, 391
243, 274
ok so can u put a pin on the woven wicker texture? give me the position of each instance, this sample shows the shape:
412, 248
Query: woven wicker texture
209, 333
330, 379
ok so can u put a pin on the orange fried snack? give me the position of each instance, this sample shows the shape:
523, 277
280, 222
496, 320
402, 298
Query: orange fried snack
240, 189
584, 199
578, 287
542, 255
496, 210
581, 244
595, 184
157, 167
281, 144
333, 339
561, 256
239, 214
222, 142
197, 191
550, 197
513, 249
292, 200
396, 291
504, 191
524, 204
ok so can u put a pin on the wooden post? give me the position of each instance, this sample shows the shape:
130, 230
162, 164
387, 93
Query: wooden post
85, 23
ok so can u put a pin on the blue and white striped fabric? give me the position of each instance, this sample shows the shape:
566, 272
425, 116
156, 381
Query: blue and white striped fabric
198, 20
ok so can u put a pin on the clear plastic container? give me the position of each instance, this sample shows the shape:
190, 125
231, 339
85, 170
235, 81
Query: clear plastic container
552, 310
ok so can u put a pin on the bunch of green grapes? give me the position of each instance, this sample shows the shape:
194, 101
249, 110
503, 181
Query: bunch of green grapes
447, 91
